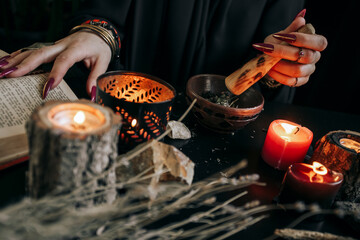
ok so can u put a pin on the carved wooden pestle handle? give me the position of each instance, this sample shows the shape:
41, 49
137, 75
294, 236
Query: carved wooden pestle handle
243, 78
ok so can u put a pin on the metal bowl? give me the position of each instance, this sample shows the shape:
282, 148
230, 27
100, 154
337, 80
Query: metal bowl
217, 117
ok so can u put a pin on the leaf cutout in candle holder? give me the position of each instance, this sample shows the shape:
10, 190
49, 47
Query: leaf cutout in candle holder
168, 113
151, 127
125, 93
100, 101
136, 89
154, 123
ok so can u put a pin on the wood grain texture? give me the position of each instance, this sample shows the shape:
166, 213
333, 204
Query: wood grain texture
61, 161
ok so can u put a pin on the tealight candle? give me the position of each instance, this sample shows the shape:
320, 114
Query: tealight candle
310, 183
351, 144
286, 143
70, 143
76, 118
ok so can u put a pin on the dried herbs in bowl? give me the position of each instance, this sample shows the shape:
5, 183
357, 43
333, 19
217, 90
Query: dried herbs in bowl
217, 108
224, 98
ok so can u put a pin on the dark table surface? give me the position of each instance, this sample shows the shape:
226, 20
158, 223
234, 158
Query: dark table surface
212, 152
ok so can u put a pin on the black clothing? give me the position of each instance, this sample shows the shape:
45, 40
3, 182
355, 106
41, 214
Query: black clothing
176, 39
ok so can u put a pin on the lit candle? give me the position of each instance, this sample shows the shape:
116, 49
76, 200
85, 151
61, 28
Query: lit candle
69, 143
143, 101
350, 144
76, 118
310, 183
285, 143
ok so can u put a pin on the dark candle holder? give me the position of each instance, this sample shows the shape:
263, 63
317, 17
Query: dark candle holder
143, 101
340, 151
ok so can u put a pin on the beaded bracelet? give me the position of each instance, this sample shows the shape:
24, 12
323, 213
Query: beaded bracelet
103, 33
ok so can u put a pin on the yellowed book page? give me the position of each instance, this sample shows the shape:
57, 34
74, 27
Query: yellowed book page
18, 99
2, 53
20, 96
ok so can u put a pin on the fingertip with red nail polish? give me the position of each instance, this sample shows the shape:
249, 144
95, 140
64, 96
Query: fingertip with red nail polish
264, 47
4, 57
3, 61
290, 38
7, 71
93, 94
47, 87
301, 13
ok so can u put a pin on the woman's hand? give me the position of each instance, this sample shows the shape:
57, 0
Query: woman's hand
298, 57
79, 46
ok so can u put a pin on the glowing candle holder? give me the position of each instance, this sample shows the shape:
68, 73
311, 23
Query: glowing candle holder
310, 183
340, 151
143, 101
285, 143
350, 144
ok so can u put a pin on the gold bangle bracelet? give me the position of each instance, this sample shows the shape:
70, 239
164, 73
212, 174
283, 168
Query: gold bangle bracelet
106, 34
101, 32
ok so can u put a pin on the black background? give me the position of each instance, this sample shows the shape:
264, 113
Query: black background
334, 86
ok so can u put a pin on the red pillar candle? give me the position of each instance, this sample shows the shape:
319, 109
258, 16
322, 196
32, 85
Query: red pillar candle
285, 143
310, 183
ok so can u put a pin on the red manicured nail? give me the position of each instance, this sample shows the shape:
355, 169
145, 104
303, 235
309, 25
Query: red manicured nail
5, 57
264, 47
290, 38
301, 13
47, 87
93, 93
7, 71
3, 63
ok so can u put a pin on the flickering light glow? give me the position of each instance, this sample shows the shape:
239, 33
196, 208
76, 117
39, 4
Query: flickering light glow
310, 183
319, 168
76, 118
133, 122
79, 117
351, 144
289, 129
285, 143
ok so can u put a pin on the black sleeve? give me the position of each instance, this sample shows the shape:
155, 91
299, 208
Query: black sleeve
114, 11
176, 39
277, 15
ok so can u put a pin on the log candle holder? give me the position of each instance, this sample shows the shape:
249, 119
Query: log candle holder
340, 151
70, 143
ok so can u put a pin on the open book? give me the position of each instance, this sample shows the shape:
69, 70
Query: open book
18, 99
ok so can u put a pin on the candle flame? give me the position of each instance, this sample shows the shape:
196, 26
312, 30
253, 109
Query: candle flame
319, 168
133, 122
349, 143
289, 129
79, 117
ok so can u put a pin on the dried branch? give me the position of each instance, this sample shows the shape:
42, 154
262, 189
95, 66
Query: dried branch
288, 233
134, 213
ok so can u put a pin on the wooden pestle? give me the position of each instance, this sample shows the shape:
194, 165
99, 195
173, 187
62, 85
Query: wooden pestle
243, 78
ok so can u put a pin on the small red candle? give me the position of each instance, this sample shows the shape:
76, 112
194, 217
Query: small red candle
310, 183
285, 143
